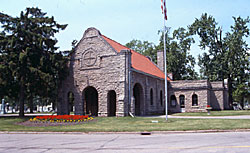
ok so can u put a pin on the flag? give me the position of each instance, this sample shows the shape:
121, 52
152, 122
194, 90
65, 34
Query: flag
164, 9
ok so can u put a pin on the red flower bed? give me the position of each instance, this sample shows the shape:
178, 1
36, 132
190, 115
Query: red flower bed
62, 118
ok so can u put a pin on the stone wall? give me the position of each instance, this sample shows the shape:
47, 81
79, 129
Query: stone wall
218, 98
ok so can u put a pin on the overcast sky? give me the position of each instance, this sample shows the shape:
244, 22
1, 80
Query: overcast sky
124, 20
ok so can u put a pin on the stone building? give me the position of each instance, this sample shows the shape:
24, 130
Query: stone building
109, 79
196, 95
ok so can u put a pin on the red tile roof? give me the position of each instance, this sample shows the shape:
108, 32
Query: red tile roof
139, 61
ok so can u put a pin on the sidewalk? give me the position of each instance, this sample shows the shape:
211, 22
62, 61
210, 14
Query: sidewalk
16, 115
204, 117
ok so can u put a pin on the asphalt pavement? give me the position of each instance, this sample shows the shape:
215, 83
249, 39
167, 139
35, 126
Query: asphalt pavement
229, 142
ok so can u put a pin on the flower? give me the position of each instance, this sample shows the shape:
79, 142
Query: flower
62, 118
208, 107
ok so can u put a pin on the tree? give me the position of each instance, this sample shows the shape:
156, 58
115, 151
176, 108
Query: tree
179, 61
27, 52
240, 92
144, 47
225, 58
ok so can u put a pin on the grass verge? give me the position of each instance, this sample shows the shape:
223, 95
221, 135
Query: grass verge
216, 113
128, 124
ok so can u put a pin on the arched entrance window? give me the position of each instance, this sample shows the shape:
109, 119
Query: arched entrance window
71, 99
90, 101
172, 101
111, 103
151, 97
194, 100
138, 97
182, 101
161, 97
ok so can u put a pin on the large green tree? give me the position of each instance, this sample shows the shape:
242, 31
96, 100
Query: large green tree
226, 56
179, 60
144, 47
28, 56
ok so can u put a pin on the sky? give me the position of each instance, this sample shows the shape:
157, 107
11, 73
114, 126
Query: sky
124, 20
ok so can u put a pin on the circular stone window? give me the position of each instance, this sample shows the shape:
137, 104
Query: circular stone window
89, 58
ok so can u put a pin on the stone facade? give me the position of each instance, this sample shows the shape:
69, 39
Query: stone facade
104, 82
97, 66
152, 93
208, 93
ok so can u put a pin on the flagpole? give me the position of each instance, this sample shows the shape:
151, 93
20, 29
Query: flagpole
165, 62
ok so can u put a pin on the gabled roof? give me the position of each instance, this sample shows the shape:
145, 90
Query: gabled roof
139, 61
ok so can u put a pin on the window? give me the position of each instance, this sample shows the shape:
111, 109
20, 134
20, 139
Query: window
173, 101
194, 100
161, 98
151, 96
182, 101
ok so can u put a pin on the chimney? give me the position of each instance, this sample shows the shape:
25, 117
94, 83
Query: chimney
170, 76
160, 61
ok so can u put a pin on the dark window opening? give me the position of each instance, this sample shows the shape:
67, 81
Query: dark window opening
151, 97
194, 100
182, 101
161, 98
173, 101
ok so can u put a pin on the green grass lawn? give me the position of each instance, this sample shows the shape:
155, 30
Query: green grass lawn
128, 124
216, 113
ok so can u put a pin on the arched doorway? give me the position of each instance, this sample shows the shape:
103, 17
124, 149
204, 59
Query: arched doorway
71, 101
90, 96
111, 103
138, 95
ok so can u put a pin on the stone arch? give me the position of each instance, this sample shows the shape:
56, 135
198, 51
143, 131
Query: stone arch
111, 103
70, 100
194, 100
90, 101
138, 99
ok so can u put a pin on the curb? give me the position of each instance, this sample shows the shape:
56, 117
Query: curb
139, 133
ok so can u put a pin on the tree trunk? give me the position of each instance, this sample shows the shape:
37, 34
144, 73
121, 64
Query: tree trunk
21, 101
54, 105
31, 103
230, 92
1, 97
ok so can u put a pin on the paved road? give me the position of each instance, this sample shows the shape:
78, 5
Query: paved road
230, 142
